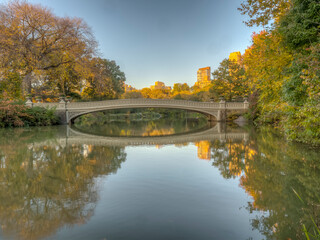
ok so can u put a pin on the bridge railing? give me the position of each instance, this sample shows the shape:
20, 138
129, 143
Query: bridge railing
144, 102
235, 105
47, 105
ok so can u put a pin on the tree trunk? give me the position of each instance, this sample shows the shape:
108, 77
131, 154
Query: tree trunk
27, 84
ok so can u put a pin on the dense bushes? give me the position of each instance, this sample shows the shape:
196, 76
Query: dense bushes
16, 114
283, 66
303, 124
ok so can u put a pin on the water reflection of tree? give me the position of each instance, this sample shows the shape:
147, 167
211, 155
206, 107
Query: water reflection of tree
229, 157
159, 127
46, 187
269, 168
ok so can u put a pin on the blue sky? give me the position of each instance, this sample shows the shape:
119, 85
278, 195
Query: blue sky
161, 40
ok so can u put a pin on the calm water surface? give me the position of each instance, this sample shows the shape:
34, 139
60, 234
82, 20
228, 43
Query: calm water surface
179, 181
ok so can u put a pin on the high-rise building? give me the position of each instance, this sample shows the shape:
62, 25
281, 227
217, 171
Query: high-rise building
203, 77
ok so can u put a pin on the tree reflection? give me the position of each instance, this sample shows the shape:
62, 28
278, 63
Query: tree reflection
169, 122
268, 169
43, 188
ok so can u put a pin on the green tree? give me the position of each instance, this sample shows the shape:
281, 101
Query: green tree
300, 27
229, 80
261, 12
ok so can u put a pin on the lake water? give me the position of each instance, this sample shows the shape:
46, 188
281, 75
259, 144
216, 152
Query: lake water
151, 180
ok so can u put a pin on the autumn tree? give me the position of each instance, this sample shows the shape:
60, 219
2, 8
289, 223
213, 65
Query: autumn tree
159, 94
146, 92
266, 63
181, 87
33, 40
105, 80
132, 94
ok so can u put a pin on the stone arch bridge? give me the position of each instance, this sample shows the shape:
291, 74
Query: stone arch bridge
69, 111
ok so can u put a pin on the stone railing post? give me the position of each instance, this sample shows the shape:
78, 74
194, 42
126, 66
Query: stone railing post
29, 102
64, 115
245, 103
222, 103
62, 103
222, 110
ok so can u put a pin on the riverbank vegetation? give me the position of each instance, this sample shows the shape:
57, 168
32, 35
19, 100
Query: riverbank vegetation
16, 114
282, 66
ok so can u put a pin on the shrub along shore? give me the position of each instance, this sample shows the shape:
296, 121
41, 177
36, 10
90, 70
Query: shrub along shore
16, 114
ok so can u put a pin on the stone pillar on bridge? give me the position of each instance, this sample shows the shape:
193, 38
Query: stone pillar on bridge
62, 103
246, 103
63, 111
222, 113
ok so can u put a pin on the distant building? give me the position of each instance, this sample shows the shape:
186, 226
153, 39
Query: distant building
203, 77
159, 85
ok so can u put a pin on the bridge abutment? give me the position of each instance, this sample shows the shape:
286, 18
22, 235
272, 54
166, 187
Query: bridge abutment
222, 116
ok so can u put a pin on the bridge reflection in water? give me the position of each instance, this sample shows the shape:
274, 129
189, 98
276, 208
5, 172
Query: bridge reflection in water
218, 132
